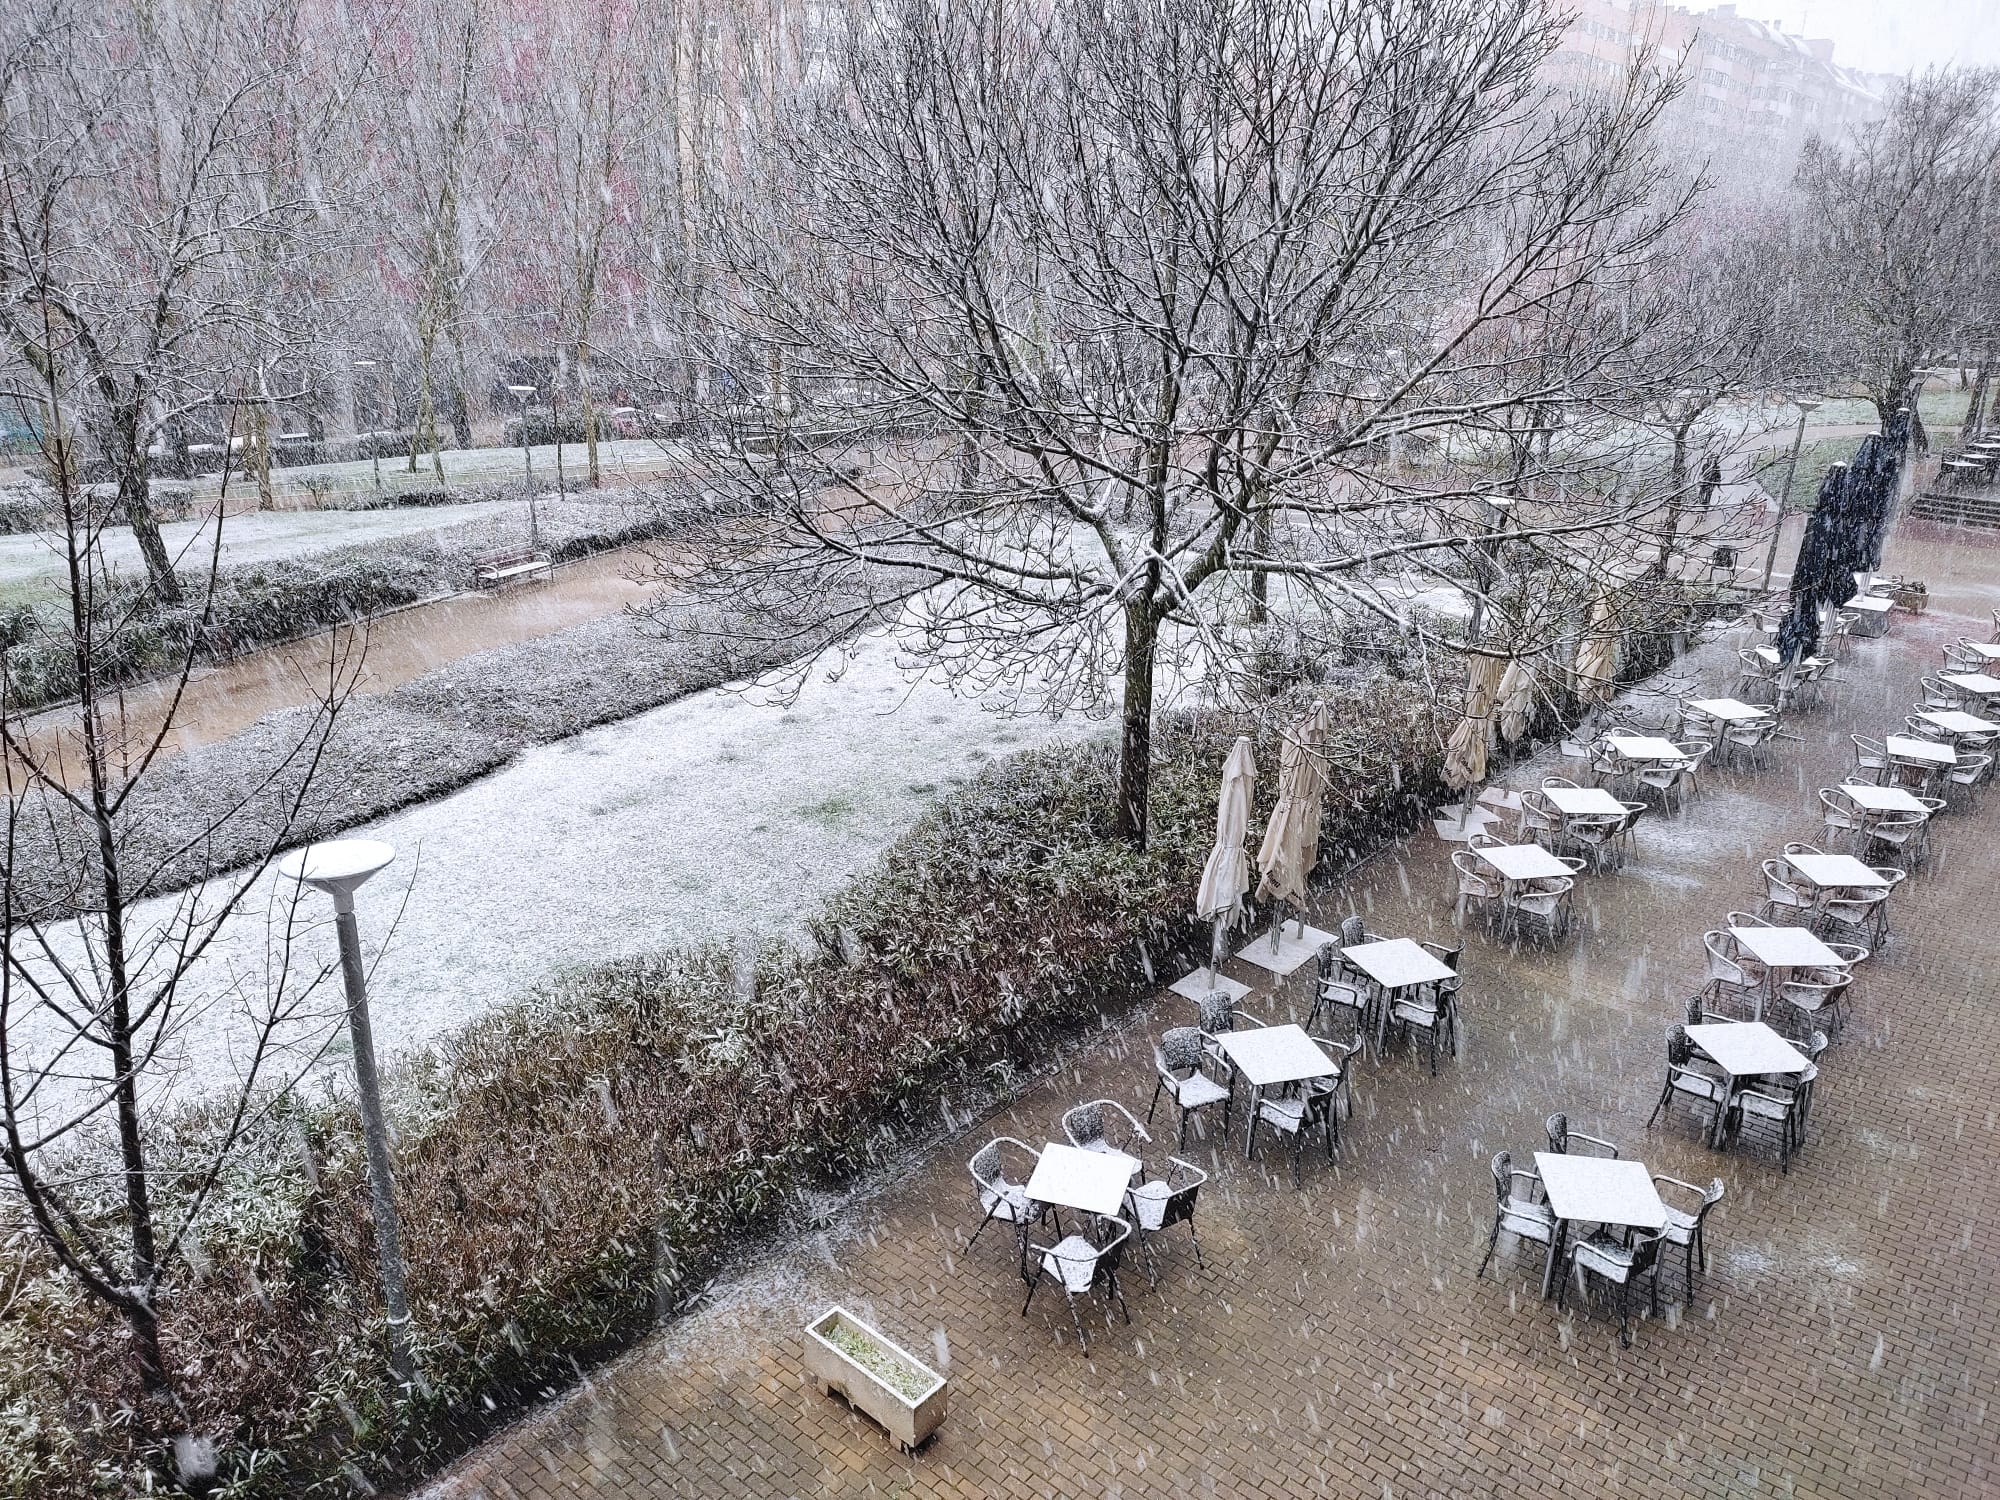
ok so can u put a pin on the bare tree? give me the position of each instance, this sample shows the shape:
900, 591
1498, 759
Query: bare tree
1093, 318
97, 1007
1889, 232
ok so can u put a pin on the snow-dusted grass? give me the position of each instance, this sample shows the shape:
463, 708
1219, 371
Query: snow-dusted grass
35, 563
728, 814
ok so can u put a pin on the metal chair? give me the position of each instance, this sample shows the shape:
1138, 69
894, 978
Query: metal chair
1000, 1195
1293, 1115
1871, 757
1335, 992
1164, 1202
1561, 1138
1727, 973
1841, 816
1514, 1213
1476, 882
1621, 1265
1780, 895
1434, 1013
1085, 1124
1079, 1266
1687, 1229
1544, 904
1178, 1059
1778, 1106
1687, 1078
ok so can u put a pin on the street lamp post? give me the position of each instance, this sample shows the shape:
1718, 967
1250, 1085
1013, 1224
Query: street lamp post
525, 393
1806, 409
339, 867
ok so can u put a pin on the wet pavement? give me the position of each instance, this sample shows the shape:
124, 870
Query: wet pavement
1843, 1341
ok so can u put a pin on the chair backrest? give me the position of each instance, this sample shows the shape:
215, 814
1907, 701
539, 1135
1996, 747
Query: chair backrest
1680, 1047
1217, 1012
1711, 1195
1721, 959
1184, 1180
1849, 954
1775, 884
1557, 1126
1353, 932
1817, 1045
1447, 956
1869, 754
989, 1164
1112, 1250
1801, 847
1645, 1250
1503, 1176
1180, 1047
1561, 782
1842, 811
1084, 1123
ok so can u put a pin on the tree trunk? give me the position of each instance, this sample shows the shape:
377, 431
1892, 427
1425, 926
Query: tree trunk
1676, 503
1135, 744
135, 502
589, 411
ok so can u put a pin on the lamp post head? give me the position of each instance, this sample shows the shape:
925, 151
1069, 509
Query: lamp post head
339, 866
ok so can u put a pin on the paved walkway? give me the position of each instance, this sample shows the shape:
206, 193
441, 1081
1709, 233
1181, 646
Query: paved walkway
1843, 1343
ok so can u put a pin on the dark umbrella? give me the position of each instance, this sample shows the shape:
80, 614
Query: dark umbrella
1844, 535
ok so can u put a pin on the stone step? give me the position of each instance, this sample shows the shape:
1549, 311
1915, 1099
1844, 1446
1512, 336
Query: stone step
1958, 508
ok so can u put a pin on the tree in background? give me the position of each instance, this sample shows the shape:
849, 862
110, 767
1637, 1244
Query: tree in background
1124, 309
1889, 232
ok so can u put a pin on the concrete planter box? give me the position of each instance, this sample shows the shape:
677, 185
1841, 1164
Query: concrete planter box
879, 1378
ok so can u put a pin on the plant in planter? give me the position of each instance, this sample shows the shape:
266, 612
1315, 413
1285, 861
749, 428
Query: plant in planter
878, 1377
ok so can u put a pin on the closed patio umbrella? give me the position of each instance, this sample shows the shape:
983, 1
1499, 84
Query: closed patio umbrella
1597, 656
1291, 841
1465, 749
1517, 698
1226, 876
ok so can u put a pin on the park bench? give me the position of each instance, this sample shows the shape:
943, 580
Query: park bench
499, 570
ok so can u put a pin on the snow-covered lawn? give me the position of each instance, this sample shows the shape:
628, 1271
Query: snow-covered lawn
33, 561
725, 815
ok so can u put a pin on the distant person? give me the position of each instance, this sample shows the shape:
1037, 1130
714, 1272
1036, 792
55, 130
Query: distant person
1711, 479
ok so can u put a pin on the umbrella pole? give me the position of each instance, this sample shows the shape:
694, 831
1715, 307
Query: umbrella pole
1215, 946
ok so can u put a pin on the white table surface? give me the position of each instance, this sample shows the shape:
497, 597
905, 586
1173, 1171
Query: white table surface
1520, 862
1601, 1190
1276, 1054
1582, 801
1769, 655
1729, 710
1980, 683
1882, 798
1957, 721
1070, 1177
1830, 871
1909, 747
1643, 747
1874, 603
1399, 962
1741, 1048
1785, 947
1988, 649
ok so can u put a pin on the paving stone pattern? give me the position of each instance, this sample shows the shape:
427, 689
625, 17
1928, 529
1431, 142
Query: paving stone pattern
1843, 1342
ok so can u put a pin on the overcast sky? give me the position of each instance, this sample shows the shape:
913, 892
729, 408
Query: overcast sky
1890, 36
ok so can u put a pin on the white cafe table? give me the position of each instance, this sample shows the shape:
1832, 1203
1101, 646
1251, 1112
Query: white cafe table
1881, 799
1780, 949
1769, 656
1581, 802
1268, 1056
1986, 650
1875, 604
1728, 710
1835, 872
1397, 964
1595, 1190
1956, 721
1644, 747
1978, 684
1519, 862
1909, 747
1744, 1049
1093, 1182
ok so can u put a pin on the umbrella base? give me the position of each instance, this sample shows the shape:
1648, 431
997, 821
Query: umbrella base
1194, 986
1291, 951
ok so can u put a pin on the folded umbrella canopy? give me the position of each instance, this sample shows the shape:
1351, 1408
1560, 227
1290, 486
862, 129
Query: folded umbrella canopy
1291, 841
1597, 656
1465, 749
1517, 698
1226, 876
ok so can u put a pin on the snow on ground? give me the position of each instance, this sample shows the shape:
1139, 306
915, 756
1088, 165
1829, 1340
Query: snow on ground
725, 815
261, 536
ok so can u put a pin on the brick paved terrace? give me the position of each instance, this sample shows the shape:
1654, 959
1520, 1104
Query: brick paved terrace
1846, 1340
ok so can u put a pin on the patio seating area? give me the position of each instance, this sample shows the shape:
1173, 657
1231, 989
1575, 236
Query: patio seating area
1448, 1118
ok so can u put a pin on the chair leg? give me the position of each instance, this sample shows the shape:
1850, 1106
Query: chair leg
1119, 1292
1081, 1342
1298, 1150
1664, 1094
1180, 1140
1033, 1282
1625, 1313
1492, 1241
1158, 1085
1196, 1242
980, 1230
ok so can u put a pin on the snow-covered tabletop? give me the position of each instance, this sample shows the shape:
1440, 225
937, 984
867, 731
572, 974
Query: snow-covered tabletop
1909, 747
1882, 798
1070, 1177
1785, 947
1643, 747
1517, 862
1267, 1055
1581, 801
1396, 963
1834, 871
1744, 1048
1601, 1190
1957, 721
1728, 710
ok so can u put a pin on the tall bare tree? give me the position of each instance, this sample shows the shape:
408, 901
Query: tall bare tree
1122, 308
1890, 230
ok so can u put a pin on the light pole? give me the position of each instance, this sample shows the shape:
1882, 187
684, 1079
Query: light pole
1806, 409
525, 393
374, 421
339, 867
